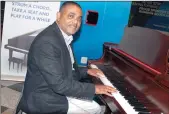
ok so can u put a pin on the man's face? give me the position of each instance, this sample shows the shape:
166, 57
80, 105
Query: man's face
69, 19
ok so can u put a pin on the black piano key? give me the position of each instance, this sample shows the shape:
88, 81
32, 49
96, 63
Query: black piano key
116, 79
147, 103
132, 100
127, 91
141, 109
125, 94
130, 97
135, 104
144, 112
122, 87
118, 84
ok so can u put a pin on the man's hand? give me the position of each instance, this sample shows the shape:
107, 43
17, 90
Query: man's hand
95, 72
103, 89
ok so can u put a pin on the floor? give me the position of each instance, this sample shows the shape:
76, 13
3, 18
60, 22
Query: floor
10, 93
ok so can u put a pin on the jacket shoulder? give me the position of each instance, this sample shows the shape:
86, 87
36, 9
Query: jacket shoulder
49, 35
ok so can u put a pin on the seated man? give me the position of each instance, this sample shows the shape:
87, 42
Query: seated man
52, 84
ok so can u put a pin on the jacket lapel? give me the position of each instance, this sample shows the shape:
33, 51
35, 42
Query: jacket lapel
75, 66
58, 32
59, 35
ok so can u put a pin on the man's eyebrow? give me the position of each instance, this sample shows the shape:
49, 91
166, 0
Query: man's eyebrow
74, 14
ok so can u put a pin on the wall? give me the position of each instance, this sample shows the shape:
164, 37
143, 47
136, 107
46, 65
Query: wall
113, 17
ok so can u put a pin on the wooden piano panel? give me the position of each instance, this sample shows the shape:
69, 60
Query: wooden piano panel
144, 82
141, 80
146, 45
142, 58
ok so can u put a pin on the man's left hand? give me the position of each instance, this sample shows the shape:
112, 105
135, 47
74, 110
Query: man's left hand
95, 72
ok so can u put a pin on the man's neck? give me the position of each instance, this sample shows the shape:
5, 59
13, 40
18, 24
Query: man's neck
65, 34
68, 39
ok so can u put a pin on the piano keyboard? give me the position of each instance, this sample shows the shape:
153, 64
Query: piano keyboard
18, 49
129, 103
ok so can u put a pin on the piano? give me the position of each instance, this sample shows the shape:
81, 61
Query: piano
138, 67
20, 44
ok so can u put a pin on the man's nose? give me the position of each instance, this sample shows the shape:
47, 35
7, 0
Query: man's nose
75, 21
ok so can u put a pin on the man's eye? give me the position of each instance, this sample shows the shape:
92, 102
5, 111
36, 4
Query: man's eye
80, 19
70, 16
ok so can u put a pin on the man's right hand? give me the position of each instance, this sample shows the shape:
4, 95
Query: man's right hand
103, 89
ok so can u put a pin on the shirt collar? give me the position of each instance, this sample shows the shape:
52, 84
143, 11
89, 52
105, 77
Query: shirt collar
68, 39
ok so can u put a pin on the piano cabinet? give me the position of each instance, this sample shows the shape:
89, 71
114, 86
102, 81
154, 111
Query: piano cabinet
142, 80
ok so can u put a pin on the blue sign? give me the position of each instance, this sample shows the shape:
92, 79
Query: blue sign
150, 14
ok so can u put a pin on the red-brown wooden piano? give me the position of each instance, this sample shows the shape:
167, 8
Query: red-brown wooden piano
139, 68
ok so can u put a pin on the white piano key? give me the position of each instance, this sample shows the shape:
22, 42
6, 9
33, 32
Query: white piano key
93, 66
106, 81
119, 98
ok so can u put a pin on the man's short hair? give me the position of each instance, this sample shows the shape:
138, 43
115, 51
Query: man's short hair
69, 3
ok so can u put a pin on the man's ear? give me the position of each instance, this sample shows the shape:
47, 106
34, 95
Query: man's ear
58, 16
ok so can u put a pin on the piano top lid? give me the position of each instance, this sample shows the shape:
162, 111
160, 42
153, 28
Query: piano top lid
148, 46
137, 61
24, 41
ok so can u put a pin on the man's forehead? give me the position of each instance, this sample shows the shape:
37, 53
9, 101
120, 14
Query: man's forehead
72, 9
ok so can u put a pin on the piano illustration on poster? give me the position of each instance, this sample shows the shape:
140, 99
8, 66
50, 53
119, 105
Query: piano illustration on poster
21, 45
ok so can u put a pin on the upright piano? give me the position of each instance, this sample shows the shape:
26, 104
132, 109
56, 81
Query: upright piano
138, 67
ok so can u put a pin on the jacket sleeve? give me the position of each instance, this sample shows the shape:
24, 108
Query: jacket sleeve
48, 60
80, 72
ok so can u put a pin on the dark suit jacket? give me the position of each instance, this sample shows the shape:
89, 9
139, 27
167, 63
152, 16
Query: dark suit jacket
49, 77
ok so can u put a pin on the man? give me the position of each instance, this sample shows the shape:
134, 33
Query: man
52, 84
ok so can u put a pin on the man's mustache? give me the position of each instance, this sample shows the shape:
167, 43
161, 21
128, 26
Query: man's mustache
75, 26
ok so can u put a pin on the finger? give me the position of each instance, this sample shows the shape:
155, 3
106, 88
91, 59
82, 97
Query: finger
99, 74
93, 74
111, 88
112, 92
108, 94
